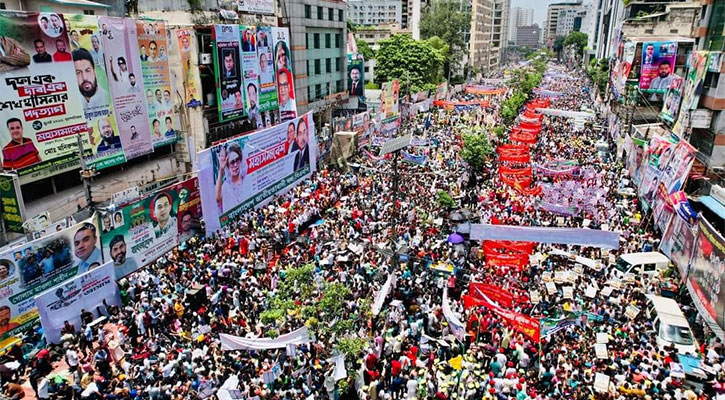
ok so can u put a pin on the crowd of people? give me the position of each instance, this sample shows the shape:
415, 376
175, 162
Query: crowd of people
318, 254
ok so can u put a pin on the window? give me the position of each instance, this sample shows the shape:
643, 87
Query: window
318, 91
316, 40
338, 64
309, 93
2, 6
317, 67
337, 40
309, 70
319, 12
339, 15
338, 86
328, 65
328, 39
330, 14
308, 11
307, 41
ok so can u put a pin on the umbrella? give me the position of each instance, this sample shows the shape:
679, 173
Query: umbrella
455, 238
456, 217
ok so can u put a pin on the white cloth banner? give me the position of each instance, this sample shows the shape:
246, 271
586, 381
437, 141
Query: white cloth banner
575, 236
457, 327
340, 371
564, 113
65, 301
594, 264
383, 293
231, 342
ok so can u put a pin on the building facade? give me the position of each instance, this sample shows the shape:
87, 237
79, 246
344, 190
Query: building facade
528, 36
519, 17
377, 12
552, 20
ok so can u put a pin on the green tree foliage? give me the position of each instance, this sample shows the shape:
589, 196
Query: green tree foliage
403, 58
445, 200
558, 45
364, 48
476, 150
447, 19
599, 73
578, 39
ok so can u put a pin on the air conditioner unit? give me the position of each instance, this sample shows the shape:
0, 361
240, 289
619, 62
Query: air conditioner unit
205, 58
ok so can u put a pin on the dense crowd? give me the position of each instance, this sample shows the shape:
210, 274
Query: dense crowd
163, 343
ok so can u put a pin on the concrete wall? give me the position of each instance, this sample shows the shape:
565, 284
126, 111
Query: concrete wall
41, 5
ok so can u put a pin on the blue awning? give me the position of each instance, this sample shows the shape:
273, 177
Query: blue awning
713, 205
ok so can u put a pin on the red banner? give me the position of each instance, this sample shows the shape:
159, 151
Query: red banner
523, 137
533, 115
522, 323
514, 180
502, 169
519, 158
495, 293
502, 246
520, 261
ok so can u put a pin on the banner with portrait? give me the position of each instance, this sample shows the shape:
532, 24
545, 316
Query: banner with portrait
677, 243
658, 66
227, 55
284, 74
186, 38
676, 171
250, 72
243, 172
153, 52
104, 149
356, 77
123, 67
389, 100
622, 68
706, 278
657, 156
671, 105
36, 266
40, 113
698, 63
89, 291
139, 233
267, 85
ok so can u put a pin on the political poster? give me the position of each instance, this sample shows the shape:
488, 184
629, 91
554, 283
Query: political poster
356, 77
186, 38
677, 243
698, 65
284, 74
622, 69
658, 66
12, 207
40, 113
676, 171
123, 67
230, 99
658, 155
143, 231
389, 100
104, 148
88, 291
153, 52
256, 6
36, 266
267, 85
243, 172
706, 277
250, 72
671, 105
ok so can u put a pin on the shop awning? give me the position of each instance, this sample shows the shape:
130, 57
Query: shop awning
713, 205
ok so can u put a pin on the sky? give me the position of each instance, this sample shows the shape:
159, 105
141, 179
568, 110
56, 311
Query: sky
539, 7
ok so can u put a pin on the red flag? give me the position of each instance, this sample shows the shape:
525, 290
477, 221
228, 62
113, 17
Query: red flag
495, 293
522, 323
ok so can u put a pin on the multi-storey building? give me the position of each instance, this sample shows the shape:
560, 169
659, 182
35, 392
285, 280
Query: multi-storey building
519, 17
528, 36
376, 12
552, 19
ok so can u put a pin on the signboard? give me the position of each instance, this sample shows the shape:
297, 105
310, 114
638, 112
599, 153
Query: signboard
40, 113
104, 149
143, 231
125, 195
228, 72
63, 303
123, 66
658, 66
284, 74
187, 48
257, 6
267, 82
250, 72
34, 267
154, 55
12, 206
395, 144
243, 172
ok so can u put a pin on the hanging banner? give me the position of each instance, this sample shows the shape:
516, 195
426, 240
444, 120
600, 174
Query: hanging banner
575, 236
104, 149
622, 69
187, 48
522, 323
34, 267
90, 291
257, 6
228, 72
677, 243
243, 172
495, 293
677, 170
285, 74
154, 56
40, 114
658, 66
389, 100
143, 231
705, 278
123, 67
267, 85
12, 207
250, 73
356, 77
698, 63
657, 156
671, 105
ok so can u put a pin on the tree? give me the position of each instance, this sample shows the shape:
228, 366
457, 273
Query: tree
578, 40
558, 46
364, 48
447, 19
476, 150
406, 59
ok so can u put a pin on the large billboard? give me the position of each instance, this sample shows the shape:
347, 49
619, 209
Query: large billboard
707, 272
389, 100
34, 267
123, 67
250, 71
356, 77
228, 71
63, 303
267, 85
285, 74
241, 173
104, 149
40, 112
187, 49
143, 231
676, 171
698, 64
658, 66
153, 50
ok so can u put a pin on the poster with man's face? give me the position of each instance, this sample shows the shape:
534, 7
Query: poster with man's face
356, 78
658, 66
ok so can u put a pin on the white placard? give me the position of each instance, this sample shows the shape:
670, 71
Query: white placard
601, 382
535, 297
602, 337
631, 311
591, 292
551, 288
601, 351
568, 292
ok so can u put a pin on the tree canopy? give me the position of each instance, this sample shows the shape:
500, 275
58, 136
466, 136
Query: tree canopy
404, 58
447, 20
364, 48
578, 39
